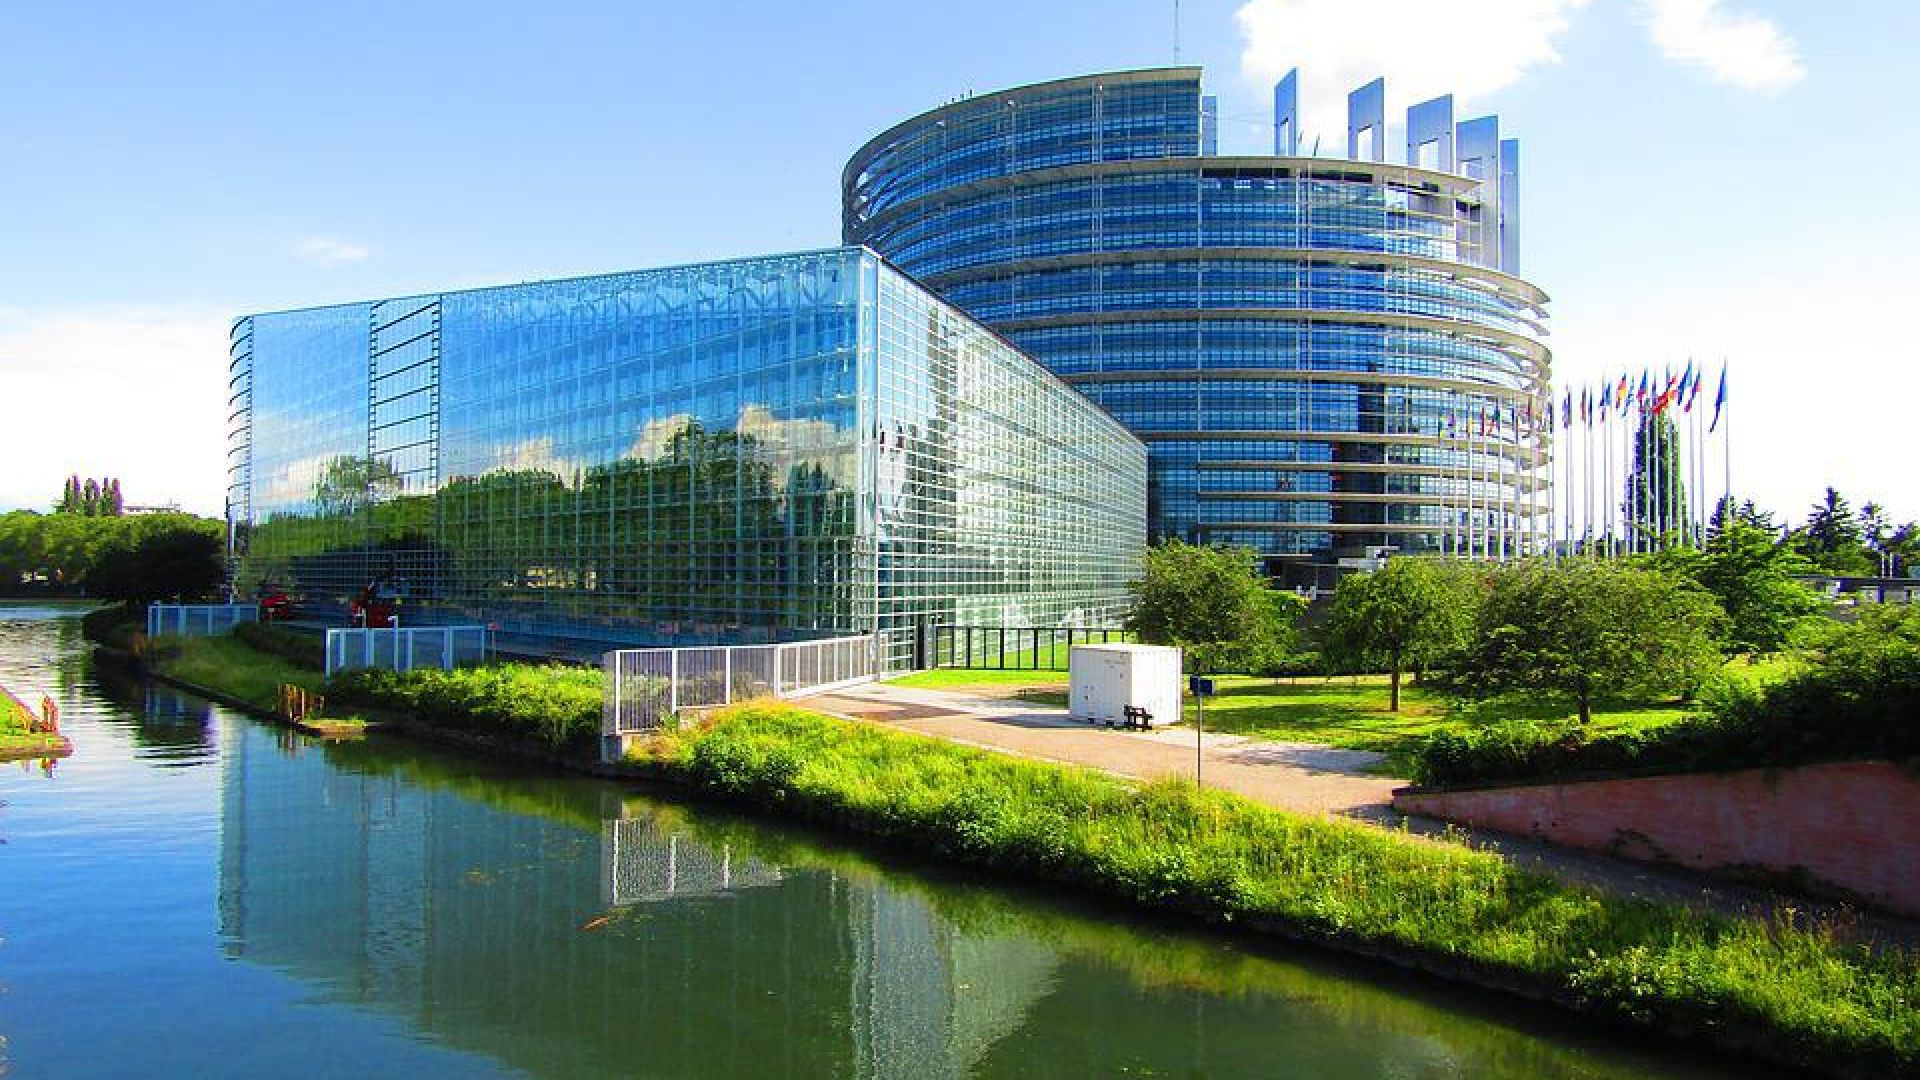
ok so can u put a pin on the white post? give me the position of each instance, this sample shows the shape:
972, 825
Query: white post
726, 658
673, 681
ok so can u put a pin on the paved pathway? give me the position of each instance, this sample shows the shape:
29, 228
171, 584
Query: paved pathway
1301, 777
1294, 776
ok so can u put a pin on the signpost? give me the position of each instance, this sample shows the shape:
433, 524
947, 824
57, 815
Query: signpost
1202, 688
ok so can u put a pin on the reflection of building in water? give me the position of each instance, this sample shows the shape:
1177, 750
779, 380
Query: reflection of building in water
377, 881
643, 863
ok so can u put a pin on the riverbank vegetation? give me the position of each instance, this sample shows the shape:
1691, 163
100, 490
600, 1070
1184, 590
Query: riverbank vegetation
139, 557
1792, 986
18, 734
556, 706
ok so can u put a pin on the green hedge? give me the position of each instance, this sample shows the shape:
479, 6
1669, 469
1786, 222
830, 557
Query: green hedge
1858, 698
1167, 845
305, 649
558, 706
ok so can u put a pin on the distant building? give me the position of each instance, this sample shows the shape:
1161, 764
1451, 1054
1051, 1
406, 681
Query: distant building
767, 449
1327, 358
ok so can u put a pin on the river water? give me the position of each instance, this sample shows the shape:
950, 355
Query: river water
194, 893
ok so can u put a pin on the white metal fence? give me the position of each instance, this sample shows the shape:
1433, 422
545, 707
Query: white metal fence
641, 862
198, 620
405, 648
645, 686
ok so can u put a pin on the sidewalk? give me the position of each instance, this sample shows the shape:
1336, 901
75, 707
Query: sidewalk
1293, 776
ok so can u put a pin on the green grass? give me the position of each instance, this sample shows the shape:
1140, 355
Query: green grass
15, 738
986, 679
230, 666
1168, 846
1350, 711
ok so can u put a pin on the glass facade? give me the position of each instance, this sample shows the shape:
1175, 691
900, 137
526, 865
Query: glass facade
760, 450
1322, 355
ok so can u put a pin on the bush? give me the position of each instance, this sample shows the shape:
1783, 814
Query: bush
307, 650
1858, 698
558, 706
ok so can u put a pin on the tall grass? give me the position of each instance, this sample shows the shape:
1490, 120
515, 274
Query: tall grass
558, 706
1169, 846
231, 666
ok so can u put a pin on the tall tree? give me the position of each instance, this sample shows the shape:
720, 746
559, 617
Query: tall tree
1593, 629
1656, 497
1832, 539
1411, 613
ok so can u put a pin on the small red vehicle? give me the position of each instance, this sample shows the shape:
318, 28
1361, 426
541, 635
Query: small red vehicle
275, 604
373, 607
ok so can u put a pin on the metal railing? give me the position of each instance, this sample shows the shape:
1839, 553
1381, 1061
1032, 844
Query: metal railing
405, 648
1015, 648
646, 686
198, 620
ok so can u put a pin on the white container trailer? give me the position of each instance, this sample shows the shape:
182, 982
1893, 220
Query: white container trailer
1102, 680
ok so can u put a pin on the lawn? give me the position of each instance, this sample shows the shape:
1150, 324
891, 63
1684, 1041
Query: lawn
1347, 711
229, 665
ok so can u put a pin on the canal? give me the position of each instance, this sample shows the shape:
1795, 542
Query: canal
194, 893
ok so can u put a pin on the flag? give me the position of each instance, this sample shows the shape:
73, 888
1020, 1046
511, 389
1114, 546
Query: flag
1686, 377
1566, 408
1620, 395
1640, 395
1694, 394
1606, 397
1719, 399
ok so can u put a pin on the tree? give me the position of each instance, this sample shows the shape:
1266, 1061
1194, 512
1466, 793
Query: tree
182, 562
1412, 612
1656, 492
1593, 629
1195, 595
1751, 574
1832, 539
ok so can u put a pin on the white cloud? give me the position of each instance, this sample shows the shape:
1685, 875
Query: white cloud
330, 251
1469, 48
1747, 51
137, 393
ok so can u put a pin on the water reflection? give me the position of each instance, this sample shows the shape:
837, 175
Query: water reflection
565, 928
282, 906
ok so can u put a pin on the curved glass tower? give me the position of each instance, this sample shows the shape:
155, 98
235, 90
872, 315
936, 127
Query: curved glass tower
1326, 357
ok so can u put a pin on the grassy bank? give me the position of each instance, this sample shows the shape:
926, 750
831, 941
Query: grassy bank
1793, 990
16, 735
230, 666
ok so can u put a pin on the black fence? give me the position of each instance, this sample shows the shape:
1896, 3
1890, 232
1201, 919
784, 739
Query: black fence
1014, 648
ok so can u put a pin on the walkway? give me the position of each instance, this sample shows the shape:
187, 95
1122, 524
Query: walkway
1300, 777
1293, 776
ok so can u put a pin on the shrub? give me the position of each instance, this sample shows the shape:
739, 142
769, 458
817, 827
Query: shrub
306, 650
558, 706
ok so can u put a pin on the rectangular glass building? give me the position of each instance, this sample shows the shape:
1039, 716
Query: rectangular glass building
767, 449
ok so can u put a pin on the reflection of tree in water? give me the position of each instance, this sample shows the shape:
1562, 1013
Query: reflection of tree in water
716, 527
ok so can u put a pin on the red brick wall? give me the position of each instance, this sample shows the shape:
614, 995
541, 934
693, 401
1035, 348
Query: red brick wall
1854, 825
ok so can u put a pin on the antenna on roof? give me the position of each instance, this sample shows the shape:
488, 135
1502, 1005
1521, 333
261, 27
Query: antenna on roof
1176, 33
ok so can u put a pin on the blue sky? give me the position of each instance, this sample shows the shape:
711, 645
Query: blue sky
1700, 177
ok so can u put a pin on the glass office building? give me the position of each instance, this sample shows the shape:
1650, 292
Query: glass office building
760, 450
1325, 356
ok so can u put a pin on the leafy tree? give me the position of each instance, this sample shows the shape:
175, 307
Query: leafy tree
1411, 613
1751, 574
1594, 629
1196, 595
181, 562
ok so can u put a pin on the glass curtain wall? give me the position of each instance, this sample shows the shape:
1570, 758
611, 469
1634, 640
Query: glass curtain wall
761, 450
1319, 353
